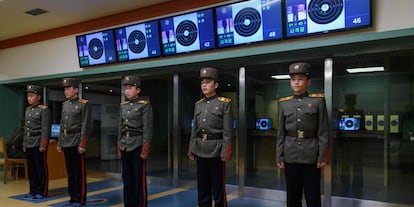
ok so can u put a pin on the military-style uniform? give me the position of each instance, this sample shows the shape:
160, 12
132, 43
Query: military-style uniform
302, 142
210, 142
36, 136
74, 131
135, 134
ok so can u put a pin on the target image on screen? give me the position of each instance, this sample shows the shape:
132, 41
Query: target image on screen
188, 32
264, 124
137, 41
249, 21
320, 16
96, 48
349, 124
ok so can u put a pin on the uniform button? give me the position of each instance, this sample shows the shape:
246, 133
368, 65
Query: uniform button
208, 101
126, 127
28, 121
126, 120
65, 125
298, 143
66, 117
203, 130
204, 120
27, 129
299, 120
131, 104
206, 111
127, 111
32, 109
299, 109
30, 114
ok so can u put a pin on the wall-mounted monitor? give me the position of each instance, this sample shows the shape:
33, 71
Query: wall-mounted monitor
55, 130
305, 17
96, 48
349, 124
137, 41
248, 21
188, 32
264, 124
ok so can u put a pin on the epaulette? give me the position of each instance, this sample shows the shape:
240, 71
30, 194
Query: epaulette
83, 100
42, 106
125, 102
227, 100
200, 100
285, 98
317, 95
143, 101
67, 101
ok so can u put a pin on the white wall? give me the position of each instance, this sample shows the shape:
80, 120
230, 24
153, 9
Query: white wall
60, 55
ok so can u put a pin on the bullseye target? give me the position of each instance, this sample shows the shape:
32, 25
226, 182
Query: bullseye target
247, 22
325, 15
186, 33
136, 41
95, 48
325, 11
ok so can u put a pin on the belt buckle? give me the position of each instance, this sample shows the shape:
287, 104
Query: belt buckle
127, 134
65, 132
301, 134
28, 134
204, 137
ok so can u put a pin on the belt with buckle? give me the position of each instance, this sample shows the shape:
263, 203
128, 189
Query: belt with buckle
205, 137
129, 134
66, 132
32, 134
301, 134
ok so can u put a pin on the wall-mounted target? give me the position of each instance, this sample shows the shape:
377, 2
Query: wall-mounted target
186, 33
247, 22
325, 11
136, 41
95, 48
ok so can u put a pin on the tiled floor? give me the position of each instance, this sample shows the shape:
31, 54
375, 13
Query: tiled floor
106, 190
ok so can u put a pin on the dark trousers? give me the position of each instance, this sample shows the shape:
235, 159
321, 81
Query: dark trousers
38, 171
75, 167
211, 181
134, 177
303, 177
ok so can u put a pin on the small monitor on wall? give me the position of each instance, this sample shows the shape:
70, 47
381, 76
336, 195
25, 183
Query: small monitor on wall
137, 41
55, 130
264, 124
248, 21
349, 124
187, 32
305, 17
96, 48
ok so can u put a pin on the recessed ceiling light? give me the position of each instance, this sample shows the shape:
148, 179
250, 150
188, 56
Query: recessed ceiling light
36, 12
280, 77
365, 70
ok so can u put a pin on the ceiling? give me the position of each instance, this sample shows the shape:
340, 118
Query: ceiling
14, 22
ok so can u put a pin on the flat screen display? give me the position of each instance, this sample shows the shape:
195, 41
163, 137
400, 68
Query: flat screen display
55, 130
349, 124
249, 21
264, 124
188, 32
320, 16
96, 48
137, 41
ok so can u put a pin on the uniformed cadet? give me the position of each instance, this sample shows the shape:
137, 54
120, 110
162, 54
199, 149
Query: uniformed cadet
35, 142
74, 131
211, 140
302, 139
135, 134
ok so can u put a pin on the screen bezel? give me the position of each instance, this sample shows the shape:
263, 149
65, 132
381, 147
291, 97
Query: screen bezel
247, 43
213, 18
148, 57
284, 23
104, 63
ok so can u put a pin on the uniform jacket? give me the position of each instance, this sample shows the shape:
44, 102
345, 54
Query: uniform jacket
307, 113
135, 124
75, 122
37, 126
212, 116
